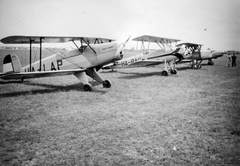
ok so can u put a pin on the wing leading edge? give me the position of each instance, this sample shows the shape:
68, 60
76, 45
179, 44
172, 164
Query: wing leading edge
188, 44
148, 38
51, 39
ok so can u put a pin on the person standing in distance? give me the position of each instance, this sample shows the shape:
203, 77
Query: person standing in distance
234, 58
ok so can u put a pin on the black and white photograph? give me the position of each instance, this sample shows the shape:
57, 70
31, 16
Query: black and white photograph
119, 82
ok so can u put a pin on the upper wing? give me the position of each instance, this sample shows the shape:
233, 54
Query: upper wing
147, 38
188, 44
51, 39
27, 75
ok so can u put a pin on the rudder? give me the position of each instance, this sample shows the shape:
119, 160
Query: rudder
11, 63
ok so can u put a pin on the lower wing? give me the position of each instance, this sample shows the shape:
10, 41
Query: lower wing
146, 63
141, 63
184, 61
28, 75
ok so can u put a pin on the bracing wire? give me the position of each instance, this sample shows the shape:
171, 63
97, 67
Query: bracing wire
63, 55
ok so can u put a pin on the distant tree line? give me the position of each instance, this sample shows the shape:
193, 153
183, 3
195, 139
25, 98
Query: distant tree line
25, 48
232, 51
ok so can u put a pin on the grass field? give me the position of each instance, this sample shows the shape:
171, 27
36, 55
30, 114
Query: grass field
192, 118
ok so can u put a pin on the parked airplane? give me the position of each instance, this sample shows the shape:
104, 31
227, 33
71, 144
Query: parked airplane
194, 54
152, 58
85, 60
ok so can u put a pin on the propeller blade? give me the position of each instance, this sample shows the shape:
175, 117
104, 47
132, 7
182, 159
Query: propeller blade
122, 45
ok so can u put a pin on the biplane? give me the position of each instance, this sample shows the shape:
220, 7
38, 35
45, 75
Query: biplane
88, 57
195, 55
152, 58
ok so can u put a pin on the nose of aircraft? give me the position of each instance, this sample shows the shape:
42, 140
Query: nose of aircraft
217, 54
120, 47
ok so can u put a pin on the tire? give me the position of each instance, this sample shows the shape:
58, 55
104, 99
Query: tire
87, 88
195, 67
174, 71
107, 84
210, 63
165, 73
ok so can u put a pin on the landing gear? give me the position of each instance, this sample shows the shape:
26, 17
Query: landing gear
82, 76
87, 88
196, 64
210, 62
199, 66
169, 68
107, 84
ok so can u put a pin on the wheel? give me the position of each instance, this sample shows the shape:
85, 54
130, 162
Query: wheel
210, 63
165, 73
107, 84
174, 71
87, 88
195, 67
200, 66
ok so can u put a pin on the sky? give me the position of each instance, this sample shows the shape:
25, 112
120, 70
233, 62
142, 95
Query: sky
213, 23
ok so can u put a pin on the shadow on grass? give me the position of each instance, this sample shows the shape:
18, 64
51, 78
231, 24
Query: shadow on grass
180, 68
132, 75
109, 71
10, 81
50, 89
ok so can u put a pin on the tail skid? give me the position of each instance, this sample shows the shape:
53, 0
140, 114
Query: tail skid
11, 63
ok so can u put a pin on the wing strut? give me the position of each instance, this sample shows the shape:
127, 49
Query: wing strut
30, 60
82, 40
77, 45
40, 64
30, 54
89, 45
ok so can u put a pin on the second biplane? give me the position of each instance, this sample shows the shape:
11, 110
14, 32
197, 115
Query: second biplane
147, 58
85, 60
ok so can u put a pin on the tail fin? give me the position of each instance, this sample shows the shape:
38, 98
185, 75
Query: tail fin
11, 63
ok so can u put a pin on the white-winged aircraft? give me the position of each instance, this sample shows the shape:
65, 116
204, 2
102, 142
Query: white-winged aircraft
195, 55
89, 56
145, 59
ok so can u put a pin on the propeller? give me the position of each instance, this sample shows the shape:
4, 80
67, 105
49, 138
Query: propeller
120, 48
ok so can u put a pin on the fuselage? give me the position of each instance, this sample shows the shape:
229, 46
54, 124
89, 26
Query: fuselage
84, 57
158, 55
130, 60
205, 55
